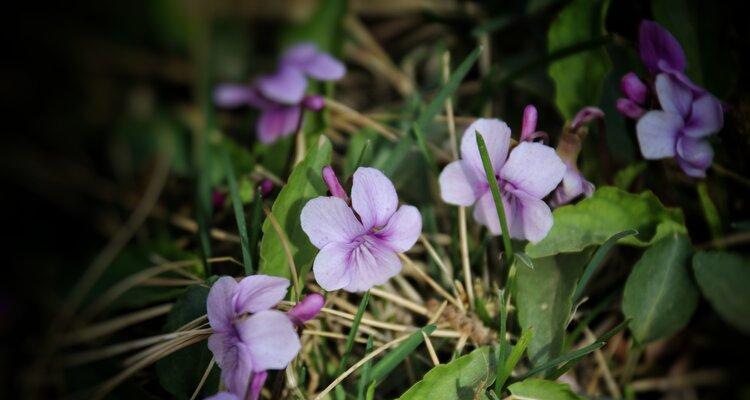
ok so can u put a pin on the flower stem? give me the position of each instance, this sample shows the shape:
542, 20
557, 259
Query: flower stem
495, 188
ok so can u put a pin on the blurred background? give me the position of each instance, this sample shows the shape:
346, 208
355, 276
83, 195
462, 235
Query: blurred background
99, 96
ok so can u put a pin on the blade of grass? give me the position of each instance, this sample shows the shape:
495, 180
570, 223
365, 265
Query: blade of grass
510, 363
590, 315
525, 260
362, 155
353, 332
496, 197
571, 358
396, 356
710, 212
597, 259
239, 212
365, 377
256, 224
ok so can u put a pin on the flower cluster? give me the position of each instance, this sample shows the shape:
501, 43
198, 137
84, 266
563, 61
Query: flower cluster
359, 238
249, 337
684, 114
525, 176
280, 96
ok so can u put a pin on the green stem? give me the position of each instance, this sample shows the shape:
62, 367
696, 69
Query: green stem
495, 189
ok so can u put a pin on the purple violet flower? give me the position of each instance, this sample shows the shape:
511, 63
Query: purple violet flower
680, 129
359, 243
245, 347
280, 96
659, 50
525, 177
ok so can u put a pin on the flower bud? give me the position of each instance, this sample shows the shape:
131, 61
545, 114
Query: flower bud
329, 177
633, 88
629, 108
306, 309
313, 102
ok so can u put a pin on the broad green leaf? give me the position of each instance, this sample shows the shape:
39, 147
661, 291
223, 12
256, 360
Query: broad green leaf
462, 378
540, 389
724, 278
180, 372
544, 298
303, 184
659, 295
609, 211
578, 78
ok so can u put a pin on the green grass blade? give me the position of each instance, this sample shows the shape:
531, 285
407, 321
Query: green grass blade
525, 260
571, 358
396, 356
710, 212
256, 224
512, 360
496, 197
353, 332
239, 212
365, 377
597, 259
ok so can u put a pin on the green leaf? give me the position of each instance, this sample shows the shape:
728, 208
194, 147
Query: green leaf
659, 295
303, 184
625, 177
609, 211
578, 78
180, 372
398, 354
239, 212
544, 297
462, 378
540, 389
724, 278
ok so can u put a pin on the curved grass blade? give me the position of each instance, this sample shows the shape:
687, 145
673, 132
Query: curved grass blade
397, 355
365, 377
353, 332
239, 212
256, 223
597, 259
510, 363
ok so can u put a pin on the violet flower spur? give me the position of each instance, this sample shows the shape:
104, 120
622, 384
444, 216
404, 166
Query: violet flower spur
525, 177
359, 243
680, 129
245, 347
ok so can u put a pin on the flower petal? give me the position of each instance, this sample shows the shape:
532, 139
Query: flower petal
657, 44
373, 197
657, 132
223, 396
329, 220
674, 96
259, 292
533, 168
277, 122
707, 117
573, 185
634, 88
299, 53
532, 218
694, 156
460, 185
372, 263
486, 214
402, 230
221, 345
286, 86
236, 369
232, 95
324, 67
220, 304
331, 266
256, 386
271, 339
629, 108
496, 135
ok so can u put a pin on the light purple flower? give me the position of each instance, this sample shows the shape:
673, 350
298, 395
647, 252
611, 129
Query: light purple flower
280, 96
659, 50
246, 346
680, 129
359, 243
573, 184
525, 177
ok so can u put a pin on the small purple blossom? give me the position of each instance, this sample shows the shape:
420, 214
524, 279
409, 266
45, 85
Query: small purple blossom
659, 50
280, 96
526, 176
528, 126
246, 346
266, 187
359, 243
680, 129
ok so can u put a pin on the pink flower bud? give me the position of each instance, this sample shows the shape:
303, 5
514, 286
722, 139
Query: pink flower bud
218, 198
633, 88
314, 102
586, 115
266, 187
629, 108
306, 309
528, 125
329, 177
